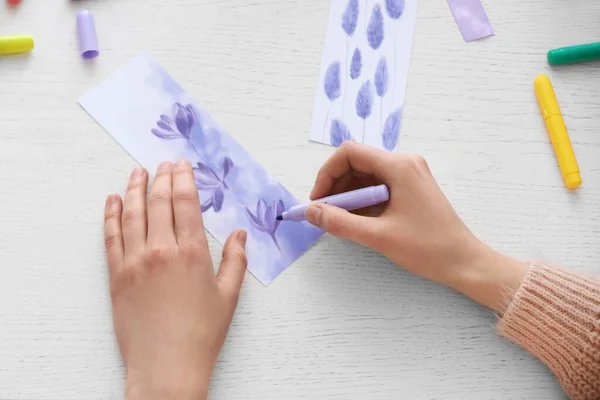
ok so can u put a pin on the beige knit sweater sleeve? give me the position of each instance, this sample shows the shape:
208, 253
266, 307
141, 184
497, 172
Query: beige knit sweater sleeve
555, 315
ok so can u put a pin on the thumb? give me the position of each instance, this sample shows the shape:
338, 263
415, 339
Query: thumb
343, 224
233, 265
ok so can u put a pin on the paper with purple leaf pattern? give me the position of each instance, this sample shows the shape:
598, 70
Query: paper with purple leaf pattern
155, 120
364, 71
471, 18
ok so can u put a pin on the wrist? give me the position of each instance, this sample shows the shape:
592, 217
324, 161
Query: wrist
489, 278
166, 386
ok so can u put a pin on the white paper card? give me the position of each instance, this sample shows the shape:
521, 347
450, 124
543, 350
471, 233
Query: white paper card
362, 83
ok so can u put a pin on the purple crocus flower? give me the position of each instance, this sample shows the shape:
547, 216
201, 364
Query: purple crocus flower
265, 218
177, 127
208, 180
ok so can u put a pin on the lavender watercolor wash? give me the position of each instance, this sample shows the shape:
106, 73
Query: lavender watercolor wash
155, 120
364, 70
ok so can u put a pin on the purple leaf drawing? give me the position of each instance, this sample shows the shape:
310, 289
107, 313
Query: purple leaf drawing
265, 218
331, 85
391, 130
356, 64
339, 133
179, 127
381, 77
375, 28
394, 8
350, 17
332, 81
207, 180
381, 84
349, 22
364, 104
364, 100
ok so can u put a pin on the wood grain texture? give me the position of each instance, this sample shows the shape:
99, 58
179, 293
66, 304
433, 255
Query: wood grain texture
342, 322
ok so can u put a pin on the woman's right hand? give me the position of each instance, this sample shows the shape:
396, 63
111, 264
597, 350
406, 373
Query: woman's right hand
417, 229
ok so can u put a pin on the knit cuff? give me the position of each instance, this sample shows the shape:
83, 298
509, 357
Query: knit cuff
555, 315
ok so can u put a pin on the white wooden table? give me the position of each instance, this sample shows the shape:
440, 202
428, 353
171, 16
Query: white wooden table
342, 322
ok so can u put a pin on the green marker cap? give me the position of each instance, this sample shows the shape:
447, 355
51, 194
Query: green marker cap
574, 54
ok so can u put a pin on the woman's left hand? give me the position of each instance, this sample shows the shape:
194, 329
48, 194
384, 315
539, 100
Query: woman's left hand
171, 313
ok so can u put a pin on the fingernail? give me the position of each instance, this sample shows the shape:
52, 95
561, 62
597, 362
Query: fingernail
112, 202
137, 172
242, 236
313, 215
183, 163
165, 166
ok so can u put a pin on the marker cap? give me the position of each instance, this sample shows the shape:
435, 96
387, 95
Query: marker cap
381, 193
574, 54
15, 44
573, 180
86, 31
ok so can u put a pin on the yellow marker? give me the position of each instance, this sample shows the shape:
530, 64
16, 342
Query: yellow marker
557, 131
15, 44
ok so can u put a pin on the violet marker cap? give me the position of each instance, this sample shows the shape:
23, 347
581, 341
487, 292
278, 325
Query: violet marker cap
86, 31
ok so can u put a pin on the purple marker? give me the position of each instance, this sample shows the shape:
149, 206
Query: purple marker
353, 200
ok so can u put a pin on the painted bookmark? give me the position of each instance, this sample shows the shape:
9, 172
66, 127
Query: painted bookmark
154, 119
471, 18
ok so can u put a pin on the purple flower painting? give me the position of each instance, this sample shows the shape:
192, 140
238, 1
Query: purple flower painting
149, 114
176, 127
265, 217
208, 180
372, 46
